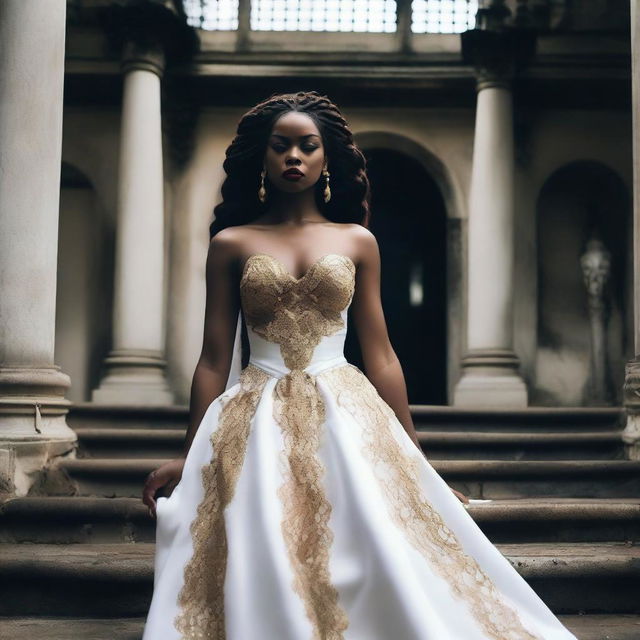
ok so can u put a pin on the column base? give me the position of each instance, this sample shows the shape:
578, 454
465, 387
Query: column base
631, 392
134, 377
490, 379
33, 429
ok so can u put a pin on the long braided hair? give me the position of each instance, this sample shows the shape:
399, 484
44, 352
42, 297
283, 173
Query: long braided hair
350, 192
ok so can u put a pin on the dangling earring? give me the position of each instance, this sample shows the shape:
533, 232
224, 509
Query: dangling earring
327, 190
262, 193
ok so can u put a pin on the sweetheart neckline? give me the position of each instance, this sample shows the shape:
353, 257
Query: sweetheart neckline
286, 271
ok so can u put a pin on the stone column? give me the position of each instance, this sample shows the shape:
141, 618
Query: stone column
33, 408
146, 35
631, 433
490, 376
135, 367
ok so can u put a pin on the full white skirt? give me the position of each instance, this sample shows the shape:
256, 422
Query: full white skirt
391, 584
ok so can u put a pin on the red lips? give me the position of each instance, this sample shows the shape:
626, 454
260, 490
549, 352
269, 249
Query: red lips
292, 172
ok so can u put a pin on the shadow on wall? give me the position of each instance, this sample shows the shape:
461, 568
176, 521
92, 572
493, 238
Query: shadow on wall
84, 284
584, 235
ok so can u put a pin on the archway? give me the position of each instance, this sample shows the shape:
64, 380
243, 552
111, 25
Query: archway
410, 223
579, 202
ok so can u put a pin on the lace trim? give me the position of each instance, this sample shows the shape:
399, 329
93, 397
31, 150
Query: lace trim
424, 527
201, 598
296, 313
299, 410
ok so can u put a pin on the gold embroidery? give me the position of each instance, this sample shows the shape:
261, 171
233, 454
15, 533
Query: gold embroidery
299, 410
202, 595
413, 513
296, 312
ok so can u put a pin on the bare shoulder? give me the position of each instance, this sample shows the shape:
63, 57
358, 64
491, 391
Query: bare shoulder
225, 248
365, 244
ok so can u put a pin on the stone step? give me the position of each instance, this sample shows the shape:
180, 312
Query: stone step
528, 419
77, 519
525, 520
434, 417
602, 627
109, 477
85, 415
584, 627
476, 478
116, 580
503, 479
129, 443
472, 445
504, 445
65, 520
46, 628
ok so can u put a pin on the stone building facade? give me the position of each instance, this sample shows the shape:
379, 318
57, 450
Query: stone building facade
501, 161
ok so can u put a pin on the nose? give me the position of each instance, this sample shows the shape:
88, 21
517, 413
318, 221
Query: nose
292, 158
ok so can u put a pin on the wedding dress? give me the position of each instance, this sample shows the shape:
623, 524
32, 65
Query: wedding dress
306, 512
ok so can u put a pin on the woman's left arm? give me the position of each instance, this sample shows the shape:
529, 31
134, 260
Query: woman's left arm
381, 363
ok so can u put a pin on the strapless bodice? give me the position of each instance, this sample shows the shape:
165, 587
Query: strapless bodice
296, 323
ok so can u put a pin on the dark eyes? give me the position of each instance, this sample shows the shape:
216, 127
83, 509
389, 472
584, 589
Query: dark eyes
281, 147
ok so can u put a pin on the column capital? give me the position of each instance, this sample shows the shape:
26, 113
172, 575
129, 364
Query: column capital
496, 49
148, 56
148, 34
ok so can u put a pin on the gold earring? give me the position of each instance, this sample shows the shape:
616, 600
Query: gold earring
262, 192
327, 190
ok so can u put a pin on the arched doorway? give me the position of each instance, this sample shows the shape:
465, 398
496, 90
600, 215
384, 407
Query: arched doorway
581, 202
409, 221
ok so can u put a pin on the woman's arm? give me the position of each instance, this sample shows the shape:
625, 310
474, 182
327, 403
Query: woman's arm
220, 319
380, 361
381, 364
212, 371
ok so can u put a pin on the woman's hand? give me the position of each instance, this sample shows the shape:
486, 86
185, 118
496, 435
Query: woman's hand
164, 477
460, 496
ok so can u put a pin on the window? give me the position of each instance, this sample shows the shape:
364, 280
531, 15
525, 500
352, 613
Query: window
365, 16
324, 15
212, 15
443, 16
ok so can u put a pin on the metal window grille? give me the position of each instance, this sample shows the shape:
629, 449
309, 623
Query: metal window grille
324, 15
212, 15
443, 16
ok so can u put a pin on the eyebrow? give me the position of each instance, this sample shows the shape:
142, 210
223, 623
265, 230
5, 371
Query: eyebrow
308, 135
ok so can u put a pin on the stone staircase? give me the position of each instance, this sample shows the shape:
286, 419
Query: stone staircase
564, 509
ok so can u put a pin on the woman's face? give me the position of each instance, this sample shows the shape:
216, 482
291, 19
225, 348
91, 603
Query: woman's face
295, 142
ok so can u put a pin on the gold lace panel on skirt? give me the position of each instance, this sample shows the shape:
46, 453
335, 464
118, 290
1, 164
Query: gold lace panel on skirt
296, 312
397, 472
299, 410
201, 598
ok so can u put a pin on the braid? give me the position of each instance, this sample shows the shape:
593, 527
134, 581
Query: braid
244, 160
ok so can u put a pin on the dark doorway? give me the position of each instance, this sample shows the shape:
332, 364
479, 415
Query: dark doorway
408, 218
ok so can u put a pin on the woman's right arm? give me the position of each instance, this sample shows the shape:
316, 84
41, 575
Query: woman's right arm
220, 320
214, 364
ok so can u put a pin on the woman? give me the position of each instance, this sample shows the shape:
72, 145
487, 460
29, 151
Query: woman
303, 507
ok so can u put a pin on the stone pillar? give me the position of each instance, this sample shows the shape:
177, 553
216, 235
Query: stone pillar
145, 35
490, 376
135, 367
33, 408
631, 433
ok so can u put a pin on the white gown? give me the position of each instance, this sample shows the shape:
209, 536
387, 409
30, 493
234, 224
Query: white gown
306, 512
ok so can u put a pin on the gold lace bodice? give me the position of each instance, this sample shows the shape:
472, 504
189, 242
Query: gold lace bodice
296, 313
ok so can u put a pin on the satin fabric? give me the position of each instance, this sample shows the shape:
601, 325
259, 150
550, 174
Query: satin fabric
386, 587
